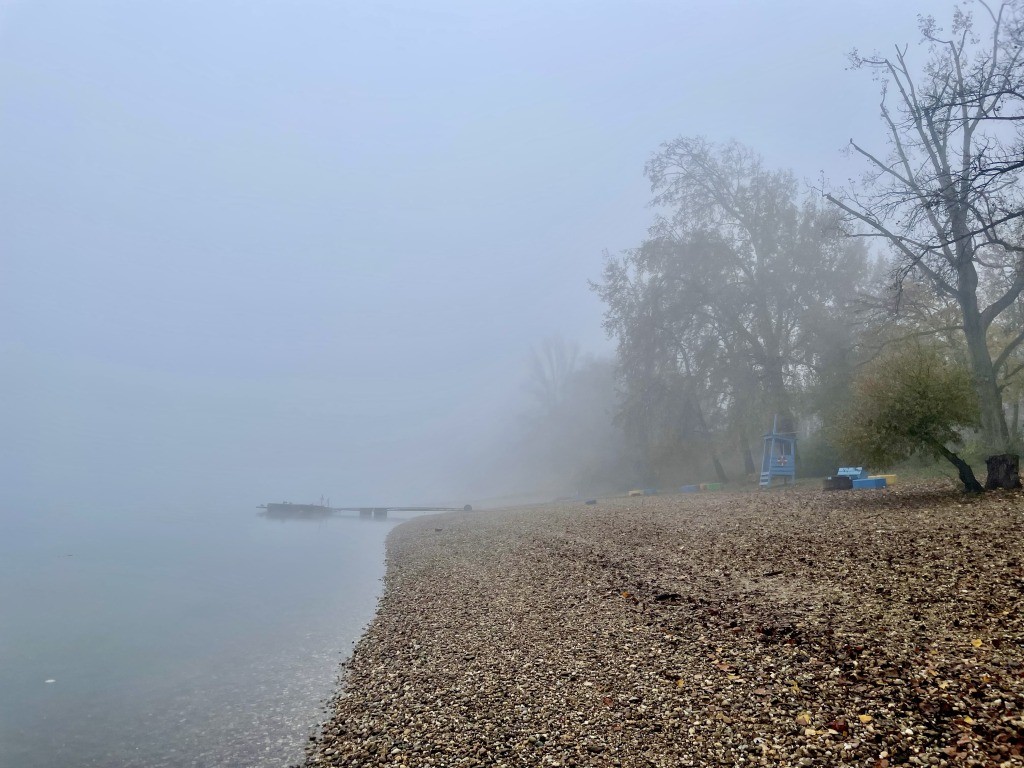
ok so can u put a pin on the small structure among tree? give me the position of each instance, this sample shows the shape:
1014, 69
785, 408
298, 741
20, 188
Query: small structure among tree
779, 457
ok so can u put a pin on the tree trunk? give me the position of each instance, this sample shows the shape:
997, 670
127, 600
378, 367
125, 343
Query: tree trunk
719, 469
971, 484
749, 468
1003, 471
775, 390
994, 431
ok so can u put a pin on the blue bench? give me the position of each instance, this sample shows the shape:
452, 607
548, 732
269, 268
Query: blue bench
855, 473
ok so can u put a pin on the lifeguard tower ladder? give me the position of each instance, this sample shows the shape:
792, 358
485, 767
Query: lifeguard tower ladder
779, 457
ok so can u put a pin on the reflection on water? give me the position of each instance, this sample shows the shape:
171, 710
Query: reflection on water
176, 640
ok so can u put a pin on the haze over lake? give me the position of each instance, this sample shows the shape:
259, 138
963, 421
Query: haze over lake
203, 637
305, 248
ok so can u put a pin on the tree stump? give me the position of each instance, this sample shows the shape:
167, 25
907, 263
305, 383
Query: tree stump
1003, 471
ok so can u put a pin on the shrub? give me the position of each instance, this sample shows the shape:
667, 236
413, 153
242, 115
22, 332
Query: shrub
913, 400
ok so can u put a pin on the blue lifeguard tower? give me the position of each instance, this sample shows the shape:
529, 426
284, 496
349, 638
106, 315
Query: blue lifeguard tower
779, 458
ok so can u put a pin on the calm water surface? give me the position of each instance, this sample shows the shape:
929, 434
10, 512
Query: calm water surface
185, 639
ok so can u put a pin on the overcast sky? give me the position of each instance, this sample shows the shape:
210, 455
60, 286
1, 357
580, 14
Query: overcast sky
262, 250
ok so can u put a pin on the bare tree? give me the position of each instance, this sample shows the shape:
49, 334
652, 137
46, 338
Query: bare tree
552, 367
945, 195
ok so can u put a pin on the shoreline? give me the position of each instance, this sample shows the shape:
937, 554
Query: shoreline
799, 628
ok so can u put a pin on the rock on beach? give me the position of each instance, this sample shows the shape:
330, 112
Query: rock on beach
780, 628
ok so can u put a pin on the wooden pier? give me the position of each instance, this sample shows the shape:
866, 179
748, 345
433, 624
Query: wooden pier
286, 510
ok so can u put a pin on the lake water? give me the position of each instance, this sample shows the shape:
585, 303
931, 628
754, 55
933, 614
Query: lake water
186, 639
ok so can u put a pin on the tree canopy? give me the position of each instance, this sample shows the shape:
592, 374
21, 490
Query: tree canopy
735, 306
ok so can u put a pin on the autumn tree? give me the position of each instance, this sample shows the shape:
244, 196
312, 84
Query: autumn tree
945, 194
735, 304
910, 400
777, 260
666, 359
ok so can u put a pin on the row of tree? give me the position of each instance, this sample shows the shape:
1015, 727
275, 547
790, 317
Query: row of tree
734, 308
752, 297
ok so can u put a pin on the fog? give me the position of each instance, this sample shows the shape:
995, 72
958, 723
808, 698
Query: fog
254, 251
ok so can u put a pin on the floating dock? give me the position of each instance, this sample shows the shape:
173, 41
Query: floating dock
285, 510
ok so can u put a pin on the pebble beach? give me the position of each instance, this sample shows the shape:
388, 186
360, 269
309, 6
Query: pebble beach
784, 628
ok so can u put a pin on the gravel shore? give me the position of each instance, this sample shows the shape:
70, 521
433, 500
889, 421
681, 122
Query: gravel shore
792, 627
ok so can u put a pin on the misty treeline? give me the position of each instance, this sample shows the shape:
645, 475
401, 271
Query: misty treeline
754, 294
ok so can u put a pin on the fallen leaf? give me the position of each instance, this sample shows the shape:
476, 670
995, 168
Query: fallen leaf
680, 683
839, 725
976, 642
865, 718
804, 718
